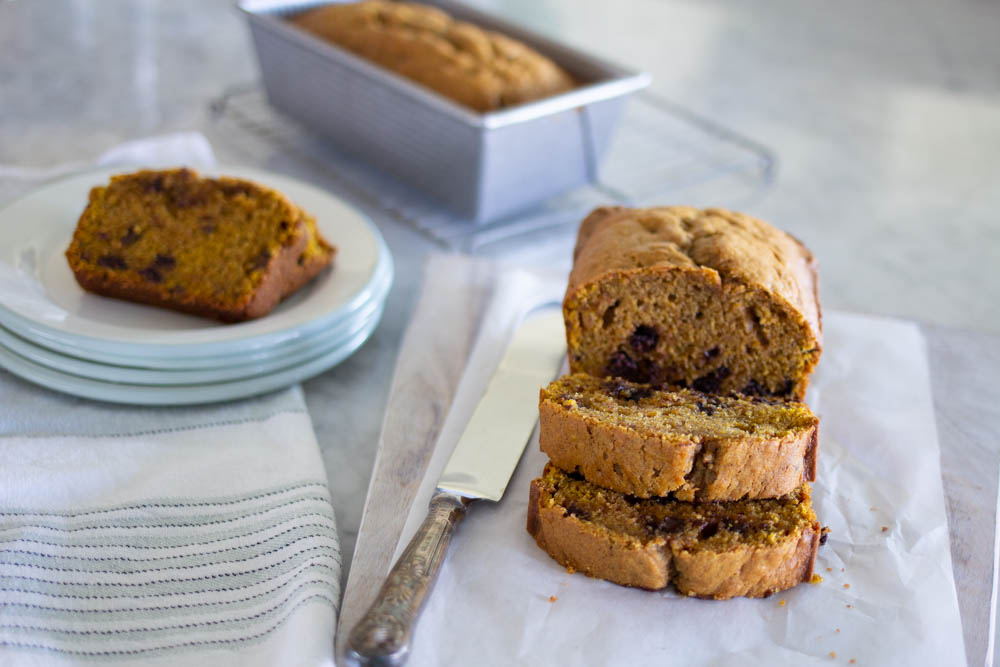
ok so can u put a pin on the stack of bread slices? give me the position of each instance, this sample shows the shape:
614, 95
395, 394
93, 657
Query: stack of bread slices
680, 451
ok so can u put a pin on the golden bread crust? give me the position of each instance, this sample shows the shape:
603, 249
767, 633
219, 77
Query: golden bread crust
477, 68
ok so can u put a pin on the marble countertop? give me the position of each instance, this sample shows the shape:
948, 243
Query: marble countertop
885, 119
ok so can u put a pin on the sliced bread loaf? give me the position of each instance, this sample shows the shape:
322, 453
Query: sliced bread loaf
710, 299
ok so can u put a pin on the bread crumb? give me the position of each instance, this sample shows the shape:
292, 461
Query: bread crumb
850, 606
815, 579
841, 569
847, 585
838, 629
829, 569
570, 570
885, 528
851, 661
781, 604
833, 654
872, 508
552, 598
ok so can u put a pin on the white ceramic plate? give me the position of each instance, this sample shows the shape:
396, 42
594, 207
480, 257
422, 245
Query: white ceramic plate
315, 346
137, 394
178, 361
40, 300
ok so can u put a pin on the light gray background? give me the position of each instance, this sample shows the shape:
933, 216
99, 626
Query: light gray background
885, 118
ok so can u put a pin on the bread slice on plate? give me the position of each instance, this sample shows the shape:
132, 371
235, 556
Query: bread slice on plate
750, 548
635, 439
219, 247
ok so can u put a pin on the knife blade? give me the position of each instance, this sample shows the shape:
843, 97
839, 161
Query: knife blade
480, 468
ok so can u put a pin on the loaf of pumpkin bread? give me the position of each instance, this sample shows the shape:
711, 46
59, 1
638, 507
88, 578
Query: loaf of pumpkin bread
713, 300
477, 68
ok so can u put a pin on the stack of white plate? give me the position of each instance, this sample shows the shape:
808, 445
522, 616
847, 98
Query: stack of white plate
57, 335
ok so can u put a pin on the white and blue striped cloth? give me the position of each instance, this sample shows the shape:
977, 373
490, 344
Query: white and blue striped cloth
175, 536
163, 535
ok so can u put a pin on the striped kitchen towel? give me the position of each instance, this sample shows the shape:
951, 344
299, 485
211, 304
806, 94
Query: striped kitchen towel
200, 536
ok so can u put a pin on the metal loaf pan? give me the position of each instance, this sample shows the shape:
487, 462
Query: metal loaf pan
483, 166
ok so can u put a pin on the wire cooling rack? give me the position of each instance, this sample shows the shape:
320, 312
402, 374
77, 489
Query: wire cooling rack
660, 154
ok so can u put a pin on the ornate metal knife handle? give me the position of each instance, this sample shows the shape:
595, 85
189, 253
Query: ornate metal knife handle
382, 637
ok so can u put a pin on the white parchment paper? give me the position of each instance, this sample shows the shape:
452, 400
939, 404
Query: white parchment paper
887, 596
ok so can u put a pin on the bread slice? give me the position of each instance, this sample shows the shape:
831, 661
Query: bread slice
635, 439
223, 248
750, 548
709, 299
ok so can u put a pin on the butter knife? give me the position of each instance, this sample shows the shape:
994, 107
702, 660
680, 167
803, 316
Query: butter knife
479, 469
